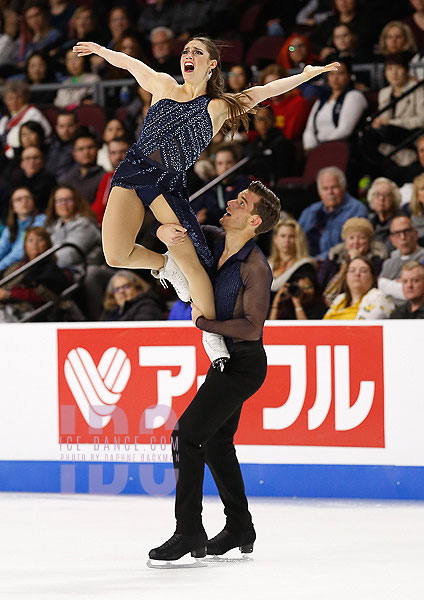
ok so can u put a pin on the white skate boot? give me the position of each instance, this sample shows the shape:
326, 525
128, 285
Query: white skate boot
215, 348
171, 272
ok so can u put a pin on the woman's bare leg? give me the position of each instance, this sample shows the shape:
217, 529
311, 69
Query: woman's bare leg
121, 223
186, 257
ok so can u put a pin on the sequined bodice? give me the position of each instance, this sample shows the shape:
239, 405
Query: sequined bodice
175, 133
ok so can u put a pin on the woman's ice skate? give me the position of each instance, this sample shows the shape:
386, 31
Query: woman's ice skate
216, 349
171, 272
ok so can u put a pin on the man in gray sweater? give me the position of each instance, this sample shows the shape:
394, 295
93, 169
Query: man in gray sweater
404, 238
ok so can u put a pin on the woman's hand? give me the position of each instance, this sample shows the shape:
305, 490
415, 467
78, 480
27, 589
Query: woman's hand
171, 235
86, 48
314, 71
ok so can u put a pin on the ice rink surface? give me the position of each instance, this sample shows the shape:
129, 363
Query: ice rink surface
95, 547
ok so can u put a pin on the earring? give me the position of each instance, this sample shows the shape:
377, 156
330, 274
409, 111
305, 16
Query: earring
209, 75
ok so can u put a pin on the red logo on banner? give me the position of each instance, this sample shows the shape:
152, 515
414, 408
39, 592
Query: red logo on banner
324, 385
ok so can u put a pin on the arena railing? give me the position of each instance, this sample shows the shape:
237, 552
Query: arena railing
67, 292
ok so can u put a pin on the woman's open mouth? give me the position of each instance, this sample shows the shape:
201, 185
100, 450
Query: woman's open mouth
188, 67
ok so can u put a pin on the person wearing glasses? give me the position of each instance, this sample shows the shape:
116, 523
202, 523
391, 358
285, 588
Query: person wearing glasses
404, 238
129, 298
360, 299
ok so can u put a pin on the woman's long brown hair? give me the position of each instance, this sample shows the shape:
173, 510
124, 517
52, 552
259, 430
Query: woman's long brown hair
12, 219
236, 103
81, 208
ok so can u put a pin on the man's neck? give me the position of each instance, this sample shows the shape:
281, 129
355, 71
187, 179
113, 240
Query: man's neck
234, 241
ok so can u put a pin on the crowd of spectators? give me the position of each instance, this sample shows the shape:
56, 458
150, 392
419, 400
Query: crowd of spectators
350, 243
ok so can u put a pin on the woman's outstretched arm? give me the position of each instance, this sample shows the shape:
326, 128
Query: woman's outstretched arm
148, 79
259, 93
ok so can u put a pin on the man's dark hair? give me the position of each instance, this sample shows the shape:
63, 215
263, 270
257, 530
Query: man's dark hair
84, 132
400, 59
67, 113
121, 138
267, 207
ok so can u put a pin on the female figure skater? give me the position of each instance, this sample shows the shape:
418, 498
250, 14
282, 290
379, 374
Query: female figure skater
179, 125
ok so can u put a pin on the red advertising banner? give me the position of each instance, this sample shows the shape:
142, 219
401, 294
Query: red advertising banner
325, 385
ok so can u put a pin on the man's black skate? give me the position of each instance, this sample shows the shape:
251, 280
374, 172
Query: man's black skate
227, 540
175, 548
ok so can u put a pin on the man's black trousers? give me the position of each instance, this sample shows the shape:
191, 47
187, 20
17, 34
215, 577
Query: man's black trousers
205, 433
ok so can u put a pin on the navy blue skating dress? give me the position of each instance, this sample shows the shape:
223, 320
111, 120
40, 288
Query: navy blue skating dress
171, 140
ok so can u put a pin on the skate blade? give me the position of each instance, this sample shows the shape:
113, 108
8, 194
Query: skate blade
232, 556
181, 563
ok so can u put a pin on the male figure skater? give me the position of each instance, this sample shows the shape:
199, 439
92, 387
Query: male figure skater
205, 431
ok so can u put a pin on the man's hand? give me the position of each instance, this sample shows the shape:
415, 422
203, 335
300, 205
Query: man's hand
171, 235
4, 294
195, 313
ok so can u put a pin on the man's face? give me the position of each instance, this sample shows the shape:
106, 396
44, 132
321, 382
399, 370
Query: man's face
239, 211
66, 127
117, 152
403, 235
161, 46
413, 284
382, 199
330, 191
85, 152
224, 160
31, 161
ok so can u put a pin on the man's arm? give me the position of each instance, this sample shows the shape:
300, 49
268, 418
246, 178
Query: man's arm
257, 278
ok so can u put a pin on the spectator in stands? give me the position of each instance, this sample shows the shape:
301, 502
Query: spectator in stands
119, 23
162, 49
43, 283
343, 42
16, 98
113, 129
159, 14
323, 221
70, 219
32, 134
76, 67
118, 147
416, 23
60, 158
396, 37
60, 13
6, 43
396, 124
34, 176
22, 214
405, 239
296, 53
384, 201
409, 174
416, 206
299, 299
314, 12
290, 109
272, 153
361, 299
129, 298
38, 70
38, 34
82, 26
358, 240
337, 112
345, 11
239, 78
212, 205
289, 254
412, 280
85, 175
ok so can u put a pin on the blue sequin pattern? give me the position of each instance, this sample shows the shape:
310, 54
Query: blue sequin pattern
171, 140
